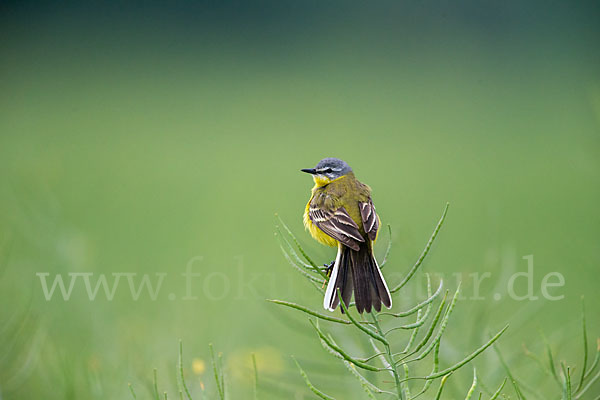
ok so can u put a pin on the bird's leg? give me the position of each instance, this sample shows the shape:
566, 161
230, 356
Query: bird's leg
328, 270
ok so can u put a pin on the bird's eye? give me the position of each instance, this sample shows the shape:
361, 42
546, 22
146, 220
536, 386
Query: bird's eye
328, 170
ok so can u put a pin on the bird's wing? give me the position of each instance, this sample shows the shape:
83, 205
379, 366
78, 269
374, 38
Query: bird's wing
337, 224
369, 218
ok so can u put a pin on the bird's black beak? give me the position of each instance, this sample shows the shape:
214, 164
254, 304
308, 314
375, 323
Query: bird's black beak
309, 170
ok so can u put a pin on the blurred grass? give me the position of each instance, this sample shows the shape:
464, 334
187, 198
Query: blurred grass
133, 141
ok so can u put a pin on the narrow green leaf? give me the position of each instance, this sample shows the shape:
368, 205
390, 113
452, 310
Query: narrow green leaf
413, 336
469, 357
473, 385
418, 323
443, 325
567, 382
300, 270
436, 366
279, 234
382, 358
363, 328
512, 379
222, 372
419, 306
415, 267
569, 389
405, 387
389, 247
367, 386
585, 346
367, 359
419, 313
339, 350
429, 333
306, 257
420, 319
589, 385
255, 376
596, 359
309, 311
311, 266
497, 392
155, 380
309, 384
352, 368
550, 360
535, 358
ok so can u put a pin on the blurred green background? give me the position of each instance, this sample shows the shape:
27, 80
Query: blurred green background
137, 136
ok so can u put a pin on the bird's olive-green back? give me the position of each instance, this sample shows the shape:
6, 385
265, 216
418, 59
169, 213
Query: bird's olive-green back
347, 192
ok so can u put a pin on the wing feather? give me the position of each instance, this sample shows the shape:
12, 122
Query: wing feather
338, 224
369, 218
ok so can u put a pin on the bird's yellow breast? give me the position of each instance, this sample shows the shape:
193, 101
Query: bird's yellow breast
314, 230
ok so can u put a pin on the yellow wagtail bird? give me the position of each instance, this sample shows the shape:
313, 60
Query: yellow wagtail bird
340, 213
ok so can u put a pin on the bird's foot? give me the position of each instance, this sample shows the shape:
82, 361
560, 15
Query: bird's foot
328, 271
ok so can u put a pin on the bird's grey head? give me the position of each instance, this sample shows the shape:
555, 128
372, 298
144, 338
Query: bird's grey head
329, 169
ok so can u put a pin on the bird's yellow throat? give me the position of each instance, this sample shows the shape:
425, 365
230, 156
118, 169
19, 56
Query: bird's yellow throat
321, 180
315, 231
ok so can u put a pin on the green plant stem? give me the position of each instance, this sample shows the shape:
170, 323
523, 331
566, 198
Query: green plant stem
216, 366
132, 391
389, 357
156, 395
183, 384
551, 366
255, 376
366, 330
389, 247
310, 261
442, 383
585, 346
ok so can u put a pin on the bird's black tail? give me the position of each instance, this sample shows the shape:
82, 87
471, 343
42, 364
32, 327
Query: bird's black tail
358, 272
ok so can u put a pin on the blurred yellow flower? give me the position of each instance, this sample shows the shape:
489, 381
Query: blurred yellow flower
269, 361
198, 366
